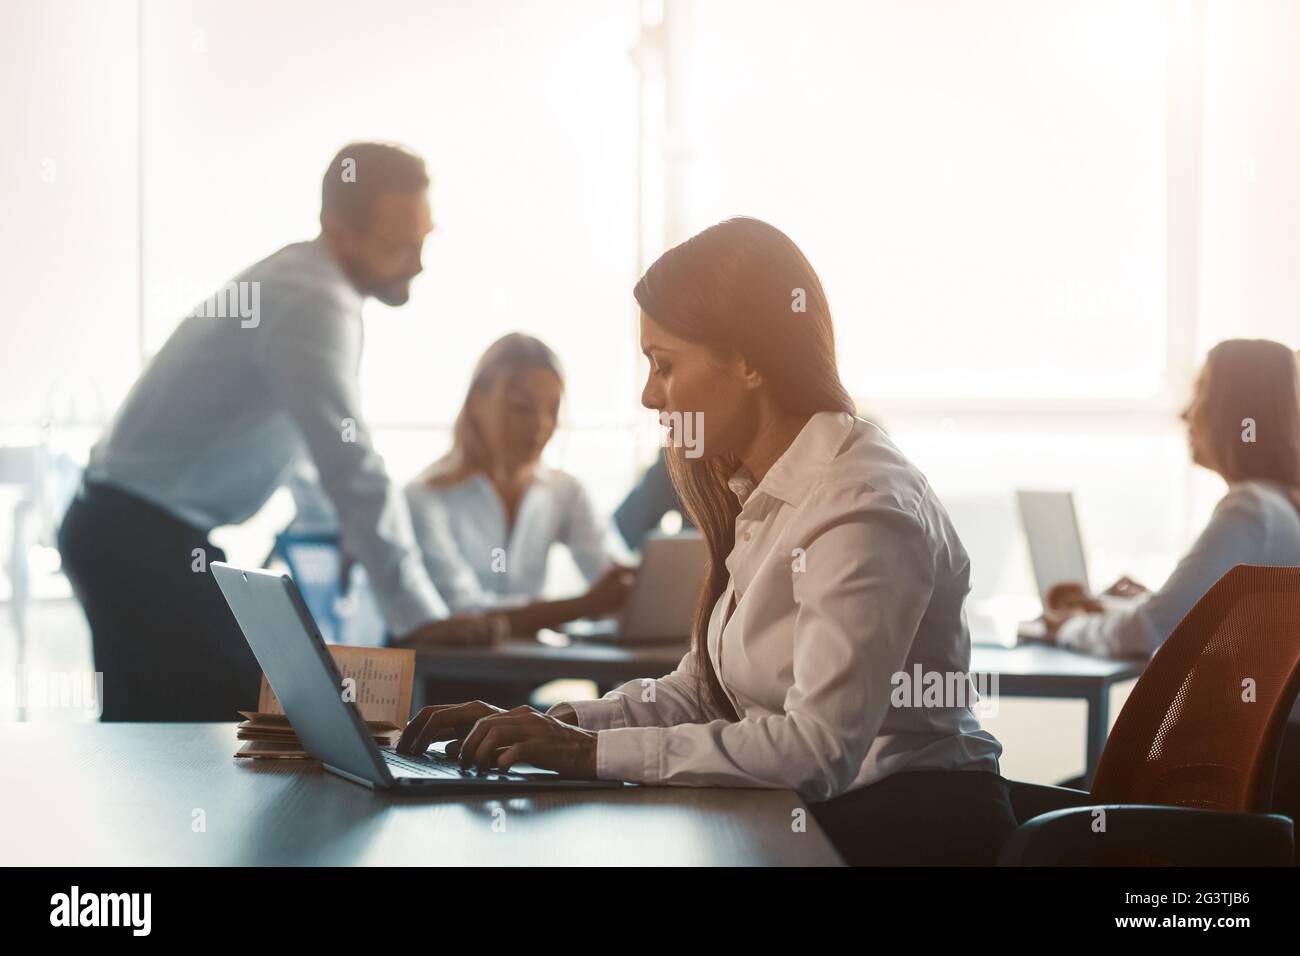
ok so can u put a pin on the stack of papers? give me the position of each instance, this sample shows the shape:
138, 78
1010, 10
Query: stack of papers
271, 735
376, 680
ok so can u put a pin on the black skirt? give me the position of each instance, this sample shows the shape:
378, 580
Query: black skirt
921, 818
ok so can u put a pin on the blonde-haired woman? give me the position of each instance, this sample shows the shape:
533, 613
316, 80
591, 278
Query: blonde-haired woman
488, 511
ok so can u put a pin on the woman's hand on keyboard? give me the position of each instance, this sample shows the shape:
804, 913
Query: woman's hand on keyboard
485, 736
439, 722
525, 735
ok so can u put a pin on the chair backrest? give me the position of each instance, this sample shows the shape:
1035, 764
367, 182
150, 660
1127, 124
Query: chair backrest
1203, 725
315, 565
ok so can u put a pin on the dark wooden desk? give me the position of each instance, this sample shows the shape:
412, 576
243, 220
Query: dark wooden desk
1030, 670
1041, 670
129, 794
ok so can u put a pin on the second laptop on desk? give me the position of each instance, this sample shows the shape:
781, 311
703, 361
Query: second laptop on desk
661, 607
1051, 524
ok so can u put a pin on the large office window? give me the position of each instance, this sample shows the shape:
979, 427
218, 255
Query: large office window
525, 113
981, 185
527, 116
985, 188
1250, 255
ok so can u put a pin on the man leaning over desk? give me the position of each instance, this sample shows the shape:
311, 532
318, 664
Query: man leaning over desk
262, 374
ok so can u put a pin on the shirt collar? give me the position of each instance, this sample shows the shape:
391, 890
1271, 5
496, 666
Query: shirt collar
790, 476
543, 477
318, 250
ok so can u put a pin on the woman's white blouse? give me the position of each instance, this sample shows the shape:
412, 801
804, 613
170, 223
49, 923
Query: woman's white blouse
1254, 523
477, 562
846, 572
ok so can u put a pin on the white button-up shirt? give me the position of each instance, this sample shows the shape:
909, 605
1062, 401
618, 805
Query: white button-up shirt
477, 561
849, 580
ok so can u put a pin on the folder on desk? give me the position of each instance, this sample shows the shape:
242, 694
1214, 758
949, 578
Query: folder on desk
379, 679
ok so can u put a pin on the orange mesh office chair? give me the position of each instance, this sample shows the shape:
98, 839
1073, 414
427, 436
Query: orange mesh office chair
1187, 773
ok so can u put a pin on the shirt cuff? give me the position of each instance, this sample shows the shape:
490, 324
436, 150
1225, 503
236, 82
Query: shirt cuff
501, 602
417, 604
1071, 633
598, 714
629, 753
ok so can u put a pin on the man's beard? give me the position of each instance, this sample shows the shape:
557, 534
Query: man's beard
394, 293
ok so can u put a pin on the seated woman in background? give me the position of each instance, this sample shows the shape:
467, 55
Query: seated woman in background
1243, 423
835, 574
486, 513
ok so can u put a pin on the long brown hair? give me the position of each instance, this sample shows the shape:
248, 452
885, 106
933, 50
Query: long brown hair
743, 286
1255, 380
469, 454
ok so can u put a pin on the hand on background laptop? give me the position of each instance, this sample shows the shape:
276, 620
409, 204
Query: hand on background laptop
1064, 601
1070, 599
484, 736
609, 592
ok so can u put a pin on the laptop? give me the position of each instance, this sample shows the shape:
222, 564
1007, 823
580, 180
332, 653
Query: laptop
1056, 549
661, 606
288, 645
1055, 545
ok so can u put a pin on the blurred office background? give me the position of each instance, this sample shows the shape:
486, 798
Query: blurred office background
1032, 217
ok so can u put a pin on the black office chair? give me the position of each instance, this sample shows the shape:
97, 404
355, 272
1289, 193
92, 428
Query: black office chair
1187, 774
315, 563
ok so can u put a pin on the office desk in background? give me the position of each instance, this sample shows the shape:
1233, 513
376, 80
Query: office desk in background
1042, 670
130, 794
1030, 670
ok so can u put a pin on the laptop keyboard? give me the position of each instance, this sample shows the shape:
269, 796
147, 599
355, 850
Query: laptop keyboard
436, 764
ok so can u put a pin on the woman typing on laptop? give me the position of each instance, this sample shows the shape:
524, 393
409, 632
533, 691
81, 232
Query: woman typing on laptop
1243, 423
835, 578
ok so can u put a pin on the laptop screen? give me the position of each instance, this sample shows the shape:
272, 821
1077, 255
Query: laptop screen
1052, 531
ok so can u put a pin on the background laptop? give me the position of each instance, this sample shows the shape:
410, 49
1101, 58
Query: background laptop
1056, 550
1051, 527
661, 606
293, 655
